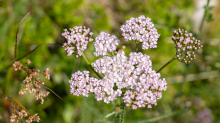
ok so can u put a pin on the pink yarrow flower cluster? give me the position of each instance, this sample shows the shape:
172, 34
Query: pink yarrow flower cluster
204, 116
77, 40
186, 44
104, 43
142, 86
131, 78
141, 29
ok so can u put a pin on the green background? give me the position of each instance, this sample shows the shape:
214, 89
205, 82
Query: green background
191, 88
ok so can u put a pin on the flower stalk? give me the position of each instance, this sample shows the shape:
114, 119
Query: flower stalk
137, 45
166, 64
89, 64
121, 115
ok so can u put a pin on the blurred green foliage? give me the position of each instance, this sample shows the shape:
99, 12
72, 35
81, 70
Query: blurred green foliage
47, 19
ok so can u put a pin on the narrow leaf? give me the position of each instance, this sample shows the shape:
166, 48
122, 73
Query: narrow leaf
16, 41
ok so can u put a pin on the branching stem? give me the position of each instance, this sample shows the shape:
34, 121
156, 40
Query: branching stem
88, 63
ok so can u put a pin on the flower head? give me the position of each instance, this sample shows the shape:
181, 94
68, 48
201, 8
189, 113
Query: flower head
104, 43
32, 83
141, 29
134, 74
185, 45
21, 115
204, 116
77, 40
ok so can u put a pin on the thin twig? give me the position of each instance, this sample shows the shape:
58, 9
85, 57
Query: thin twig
16, 41
53, 92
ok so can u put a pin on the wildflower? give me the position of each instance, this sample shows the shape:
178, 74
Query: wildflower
141, 29
204, 116
35, 86
17, 65
19, 115
12, 118
143, 85
33, 118
77, 40
22, 91
28, 62
185, 45
104, 43
46, 74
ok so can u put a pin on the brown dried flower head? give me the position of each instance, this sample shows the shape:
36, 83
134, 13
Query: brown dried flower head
17, 65
28, 62
32, 83
19, 114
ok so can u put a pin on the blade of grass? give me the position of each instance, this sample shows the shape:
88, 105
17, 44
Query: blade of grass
16, 41
27, 54
104, 117
16, 101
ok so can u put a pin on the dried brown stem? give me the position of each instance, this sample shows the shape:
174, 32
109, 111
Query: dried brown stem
53, 92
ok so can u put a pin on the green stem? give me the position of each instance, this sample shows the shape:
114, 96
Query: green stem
137, 45
85, 58
88, 63
109, 115
121, 115
203, 19
167, 64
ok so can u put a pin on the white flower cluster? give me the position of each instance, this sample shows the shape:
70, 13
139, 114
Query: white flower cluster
141, 29
104, 43
142, 85
131, 78
77, 39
